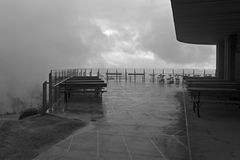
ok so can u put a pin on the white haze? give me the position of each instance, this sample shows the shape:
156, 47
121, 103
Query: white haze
39, 35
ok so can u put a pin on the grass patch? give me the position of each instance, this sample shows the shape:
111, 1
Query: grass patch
25, 139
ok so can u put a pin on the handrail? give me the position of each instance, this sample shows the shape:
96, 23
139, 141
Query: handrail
62, 81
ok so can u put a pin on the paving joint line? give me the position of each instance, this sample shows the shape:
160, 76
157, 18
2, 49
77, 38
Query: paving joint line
125, 144
98, 146
133, 134
186, 123
156, 147
179, 131
178, 141
70, 144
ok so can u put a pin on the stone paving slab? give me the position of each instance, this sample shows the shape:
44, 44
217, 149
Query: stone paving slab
134, 127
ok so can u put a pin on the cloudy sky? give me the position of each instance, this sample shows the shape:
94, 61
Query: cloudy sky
39, 35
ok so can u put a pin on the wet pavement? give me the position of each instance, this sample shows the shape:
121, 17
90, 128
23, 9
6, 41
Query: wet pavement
140, 121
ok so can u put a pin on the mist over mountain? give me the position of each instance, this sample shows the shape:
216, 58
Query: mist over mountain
39, 35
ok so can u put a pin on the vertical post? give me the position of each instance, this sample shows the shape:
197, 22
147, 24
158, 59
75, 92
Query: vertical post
173, 72
183, 73
44, 98
90, 73
116, 75
193, 72
50, 91
163, 71
120, 76
55, 88
125, 74
153, 76
107, 74
204, 73
143, 75
98, 73
59, 76
134, 75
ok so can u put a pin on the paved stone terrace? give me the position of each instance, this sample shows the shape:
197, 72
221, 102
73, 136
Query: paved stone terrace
140, 122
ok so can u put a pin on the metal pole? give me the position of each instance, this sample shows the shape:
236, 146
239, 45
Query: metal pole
125, 74
107, 74
50, 91
90, 73
153, 76
143, 75
44, 98
134, 75
98, 73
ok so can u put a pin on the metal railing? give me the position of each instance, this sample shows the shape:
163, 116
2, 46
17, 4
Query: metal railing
52, 95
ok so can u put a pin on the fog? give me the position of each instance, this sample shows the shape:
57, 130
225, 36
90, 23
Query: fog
39, 35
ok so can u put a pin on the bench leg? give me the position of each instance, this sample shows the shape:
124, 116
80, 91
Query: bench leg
198, 107
194, 103
194, 106
198, 104
65, 97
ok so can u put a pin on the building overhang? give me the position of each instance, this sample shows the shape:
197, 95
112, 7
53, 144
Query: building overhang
205, 21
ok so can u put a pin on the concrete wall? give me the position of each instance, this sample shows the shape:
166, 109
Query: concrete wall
220, 59
228, 58
237, 58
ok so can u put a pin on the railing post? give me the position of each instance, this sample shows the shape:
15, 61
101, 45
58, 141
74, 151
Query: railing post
50, 91
204, 73
153, 75
143, 75
134, 75
98, 73
55, 88
107, 74
125, 74
90, 73
59, 76
116, 75
44, 98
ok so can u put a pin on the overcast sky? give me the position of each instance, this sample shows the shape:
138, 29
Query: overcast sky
39, 35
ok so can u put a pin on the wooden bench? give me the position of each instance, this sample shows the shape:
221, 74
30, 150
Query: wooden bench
200, 95
85, 78
213, 84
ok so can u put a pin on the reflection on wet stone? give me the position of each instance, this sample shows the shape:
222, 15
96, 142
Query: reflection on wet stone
133, 121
